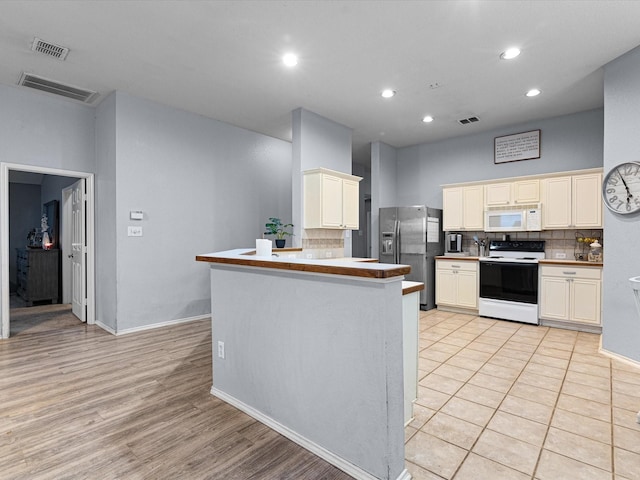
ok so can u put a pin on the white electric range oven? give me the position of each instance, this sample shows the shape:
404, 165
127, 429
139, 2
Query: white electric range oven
509, 280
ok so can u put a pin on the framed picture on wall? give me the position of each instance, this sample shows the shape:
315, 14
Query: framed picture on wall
519, 146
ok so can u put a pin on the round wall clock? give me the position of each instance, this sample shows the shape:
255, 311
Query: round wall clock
621, 188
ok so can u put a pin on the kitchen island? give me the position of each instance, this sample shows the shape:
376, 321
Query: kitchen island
314, 349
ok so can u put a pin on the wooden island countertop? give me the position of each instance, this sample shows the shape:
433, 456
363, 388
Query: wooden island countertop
337, 266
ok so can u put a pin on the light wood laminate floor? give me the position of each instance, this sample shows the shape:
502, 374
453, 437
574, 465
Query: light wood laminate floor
79, 403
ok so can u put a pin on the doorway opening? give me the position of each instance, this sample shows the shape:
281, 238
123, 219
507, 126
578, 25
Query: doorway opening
81, 249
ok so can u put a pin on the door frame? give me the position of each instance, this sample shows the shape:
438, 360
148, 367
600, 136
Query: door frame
4, 237
65, 217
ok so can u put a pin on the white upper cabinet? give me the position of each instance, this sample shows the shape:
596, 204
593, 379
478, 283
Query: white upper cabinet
497, 194
452, 207
526, 192
567, 200
586, 207
463, 208
572, 201
350, 204
522, 192
556, 202
331, 200
473, 208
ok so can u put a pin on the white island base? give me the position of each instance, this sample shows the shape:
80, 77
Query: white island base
316, 356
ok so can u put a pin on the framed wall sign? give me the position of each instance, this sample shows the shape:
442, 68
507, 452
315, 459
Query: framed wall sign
519, 146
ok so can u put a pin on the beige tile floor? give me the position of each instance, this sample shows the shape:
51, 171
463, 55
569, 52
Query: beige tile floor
502, 400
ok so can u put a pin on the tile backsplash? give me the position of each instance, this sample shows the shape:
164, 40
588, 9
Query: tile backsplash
323, 243
556, 241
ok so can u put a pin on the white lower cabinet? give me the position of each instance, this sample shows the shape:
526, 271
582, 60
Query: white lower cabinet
410, 334
457, 283
571, 294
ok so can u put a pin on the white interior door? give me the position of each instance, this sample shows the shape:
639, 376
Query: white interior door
79, 251
65, 245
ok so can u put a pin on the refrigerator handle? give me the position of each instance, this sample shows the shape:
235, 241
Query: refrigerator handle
398, 239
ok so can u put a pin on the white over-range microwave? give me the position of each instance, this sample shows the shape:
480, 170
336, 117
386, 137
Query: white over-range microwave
524, 220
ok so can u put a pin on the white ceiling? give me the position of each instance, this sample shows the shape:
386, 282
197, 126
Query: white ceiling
221, 59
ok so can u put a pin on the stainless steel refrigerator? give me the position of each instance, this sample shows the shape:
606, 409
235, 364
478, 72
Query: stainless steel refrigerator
413, 236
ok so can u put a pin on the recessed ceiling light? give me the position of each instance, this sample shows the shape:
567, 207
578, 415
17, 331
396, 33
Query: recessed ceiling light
388, 93
290, 60
510, 53
427, 119
534, 92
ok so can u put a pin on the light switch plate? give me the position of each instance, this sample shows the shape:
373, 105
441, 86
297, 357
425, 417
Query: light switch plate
136, 215
134, 231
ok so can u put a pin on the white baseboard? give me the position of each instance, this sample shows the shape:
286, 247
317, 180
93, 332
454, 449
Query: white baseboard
105, 327
339, 462
617, 356
162, 324
405, 475
151, 326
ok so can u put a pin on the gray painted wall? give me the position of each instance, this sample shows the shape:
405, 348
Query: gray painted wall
203, 186
316, 142
105, 228
621, 324
52, 186
569, 142
37, 129
25, 210
384, 178
358, 240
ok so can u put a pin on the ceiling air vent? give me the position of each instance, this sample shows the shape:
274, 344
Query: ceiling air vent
467, 121
51, 86
50, 49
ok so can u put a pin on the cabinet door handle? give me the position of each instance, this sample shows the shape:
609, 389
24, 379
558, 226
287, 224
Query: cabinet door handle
569, 273
455, 266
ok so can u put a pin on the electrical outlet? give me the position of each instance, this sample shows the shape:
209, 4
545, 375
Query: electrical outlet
134, 231
220, 349
328, 254
309, 255
560, 255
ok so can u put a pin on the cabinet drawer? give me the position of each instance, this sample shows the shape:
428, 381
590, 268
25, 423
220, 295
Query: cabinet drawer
567, 271
466, 265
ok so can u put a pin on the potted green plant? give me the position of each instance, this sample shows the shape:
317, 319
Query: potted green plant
277, 228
